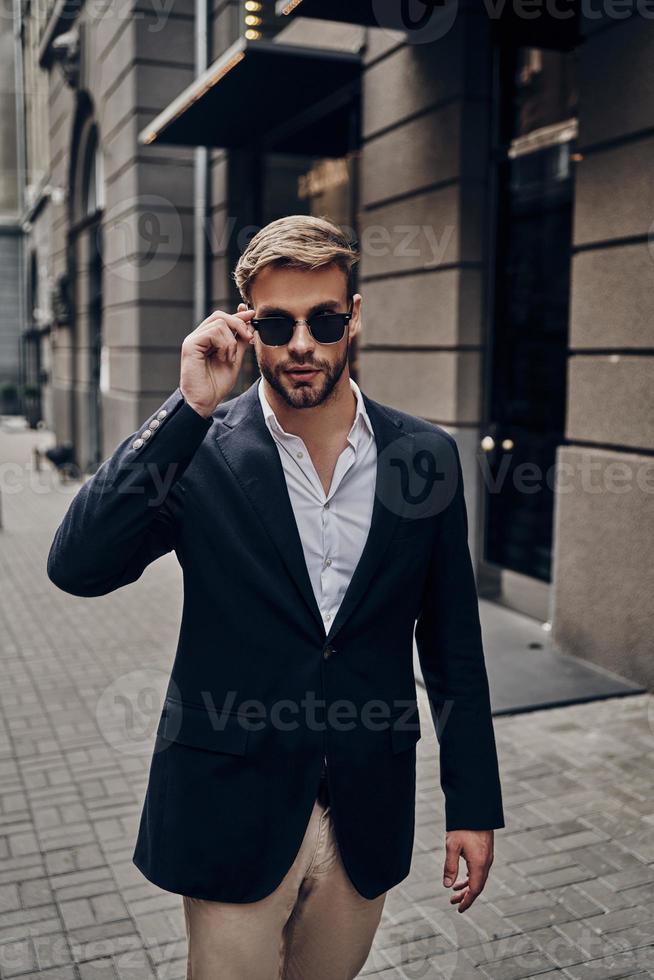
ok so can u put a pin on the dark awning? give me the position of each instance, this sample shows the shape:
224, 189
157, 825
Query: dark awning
347, 11
261, 94
557, 27
548, 26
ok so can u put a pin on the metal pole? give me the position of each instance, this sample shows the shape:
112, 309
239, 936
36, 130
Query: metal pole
201, 179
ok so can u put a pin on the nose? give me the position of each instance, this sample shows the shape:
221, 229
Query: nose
301, 342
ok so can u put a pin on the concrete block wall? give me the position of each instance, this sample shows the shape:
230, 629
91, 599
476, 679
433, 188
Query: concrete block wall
229, 190
134, 63
149, 284
604, 533
11, 313
50, 232
422, 221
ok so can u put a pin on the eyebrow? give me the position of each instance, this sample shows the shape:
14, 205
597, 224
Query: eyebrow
278, 311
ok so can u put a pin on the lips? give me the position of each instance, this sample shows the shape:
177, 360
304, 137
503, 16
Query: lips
303, 372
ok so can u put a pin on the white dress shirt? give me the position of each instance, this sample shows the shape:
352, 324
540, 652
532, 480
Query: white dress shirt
333, 526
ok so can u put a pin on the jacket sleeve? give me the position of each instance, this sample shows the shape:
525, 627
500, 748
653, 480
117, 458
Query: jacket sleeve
126, 515
450, 652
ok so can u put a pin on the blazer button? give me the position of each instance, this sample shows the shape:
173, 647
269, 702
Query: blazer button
327, 652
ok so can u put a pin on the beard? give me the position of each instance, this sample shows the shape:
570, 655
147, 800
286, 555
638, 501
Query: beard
304, 395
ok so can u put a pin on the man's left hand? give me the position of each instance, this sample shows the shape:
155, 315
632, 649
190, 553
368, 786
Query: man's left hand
476, 847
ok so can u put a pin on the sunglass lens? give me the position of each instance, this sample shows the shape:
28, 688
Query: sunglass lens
327, 328
275, 331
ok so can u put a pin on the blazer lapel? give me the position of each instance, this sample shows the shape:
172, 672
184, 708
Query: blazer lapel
252, 455
388, 429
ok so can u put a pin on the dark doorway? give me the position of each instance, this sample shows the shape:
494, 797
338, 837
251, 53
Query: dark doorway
95, 448
527, 381
266, 184
86, 274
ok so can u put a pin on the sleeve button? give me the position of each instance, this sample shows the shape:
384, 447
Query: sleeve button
137, 444
146, 434
154, 424
162, 414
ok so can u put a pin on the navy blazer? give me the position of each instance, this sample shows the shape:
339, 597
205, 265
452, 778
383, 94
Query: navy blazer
258, 690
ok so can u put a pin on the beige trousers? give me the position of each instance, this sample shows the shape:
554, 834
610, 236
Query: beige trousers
313, 926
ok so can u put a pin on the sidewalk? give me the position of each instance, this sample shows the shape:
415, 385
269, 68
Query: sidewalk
571, 891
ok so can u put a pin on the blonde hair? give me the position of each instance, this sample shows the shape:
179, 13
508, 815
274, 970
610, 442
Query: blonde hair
298, 241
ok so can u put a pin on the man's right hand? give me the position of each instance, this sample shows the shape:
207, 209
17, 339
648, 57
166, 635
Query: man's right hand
212, 357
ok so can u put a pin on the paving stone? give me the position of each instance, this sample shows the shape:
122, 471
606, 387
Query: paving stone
634, 936
23, 927
56, 973
16, 957
607, 898
9, 897
518, 967
108, 907
561, 948
173, 970
615, 965
76, 913
417, 950
51, 950
569, 894
538, 918
102, 969
621, 880
35, 892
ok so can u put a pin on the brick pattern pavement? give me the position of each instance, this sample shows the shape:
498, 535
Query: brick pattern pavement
571, 891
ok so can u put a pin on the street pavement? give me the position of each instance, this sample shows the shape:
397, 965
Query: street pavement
571, 891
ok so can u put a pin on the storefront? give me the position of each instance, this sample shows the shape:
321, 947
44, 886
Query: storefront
496, 174
289, 117
525, 383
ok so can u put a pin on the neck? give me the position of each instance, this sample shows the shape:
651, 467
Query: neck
323, 422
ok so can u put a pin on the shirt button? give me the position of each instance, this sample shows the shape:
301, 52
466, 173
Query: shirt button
328, 561
328, 616
299, 455
327, 505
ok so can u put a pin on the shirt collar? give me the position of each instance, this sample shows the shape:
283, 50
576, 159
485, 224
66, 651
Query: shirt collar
361, 416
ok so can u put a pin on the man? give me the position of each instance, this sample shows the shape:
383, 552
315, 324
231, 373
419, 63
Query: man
316, 529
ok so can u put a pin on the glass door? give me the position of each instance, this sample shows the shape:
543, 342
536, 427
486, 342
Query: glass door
526, 389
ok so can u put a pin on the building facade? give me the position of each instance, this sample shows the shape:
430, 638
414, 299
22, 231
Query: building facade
497, 178
11, 236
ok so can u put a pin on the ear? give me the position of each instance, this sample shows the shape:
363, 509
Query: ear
356, 322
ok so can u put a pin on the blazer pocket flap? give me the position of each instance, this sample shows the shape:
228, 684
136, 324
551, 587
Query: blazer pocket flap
405, 729
203, 728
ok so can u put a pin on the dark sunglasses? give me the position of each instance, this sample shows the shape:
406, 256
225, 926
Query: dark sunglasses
325, 328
